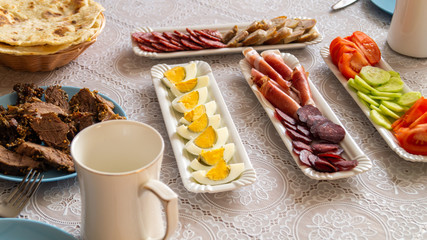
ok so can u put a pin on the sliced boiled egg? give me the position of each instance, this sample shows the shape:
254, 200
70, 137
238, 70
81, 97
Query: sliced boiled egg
209, 139
179, 73
186, 86
189, 116
220, 174
207, 159
197, 126
190, 100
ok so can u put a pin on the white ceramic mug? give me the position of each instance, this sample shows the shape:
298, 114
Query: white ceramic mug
408, 29
118, 166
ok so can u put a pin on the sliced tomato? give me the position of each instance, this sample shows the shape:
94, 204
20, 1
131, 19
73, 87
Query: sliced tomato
410, 116
344, 65
368, 46
337, 49
421, 120
358, 61
413, 140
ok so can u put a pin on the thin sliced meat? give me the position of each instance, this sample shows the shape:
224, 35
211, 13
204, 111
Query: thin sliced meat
274, 58
261, 65
162, 47
197, 41
213, 33
279, 99
321, 147
192, 32
304, 157
136, 37
330, 131
159, 36
212, 43
295, 136
190, 44
207, 35
306, 111
148, 48
285, 117
171, 36
182, 35
148, 37
300, 83
171, 45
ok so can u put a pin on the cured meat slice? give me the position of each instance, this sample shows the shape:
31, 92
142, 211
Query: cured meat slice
182, 35
213, 33
294, 135
171, 45
274, 58
159, 36
147, 48
323, 166
300, 83
279, 99
329, 131
197, 41
321, 147
212, 43
304, 157
171, 36
206, 34
306, 111
162, 47
147, 37
190, 44
136, 37
261, 65
301, 146
285, 117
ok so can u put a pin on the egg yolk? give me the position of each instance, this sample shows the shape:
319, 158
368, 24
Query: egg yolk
195, 113
176, 74
186, 86
219, 172
206, 139
212, 157
190, 100
199, 124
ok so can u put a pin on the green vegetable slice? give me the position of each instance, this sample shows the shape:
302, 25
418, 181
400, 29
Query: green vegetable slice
359, 81
381, 97
374, 76
394, 74
386, 94
395, 84
375, 108
409, 98
366, 98
393, 106
379, 119
388, 112
356, 86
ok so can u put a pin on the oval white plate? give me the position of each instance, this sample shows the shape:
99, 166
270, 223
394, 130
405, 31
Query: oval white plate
351, 150
183, 158
386, 134
222, 28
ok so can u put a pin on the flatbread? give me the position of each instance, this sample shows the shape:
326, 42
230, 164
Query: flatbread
50, 49
46, 22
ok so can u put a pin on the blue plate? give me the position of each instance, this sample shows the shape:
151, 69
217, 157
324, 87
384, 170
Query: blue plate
386, 5
51, 175
23, 229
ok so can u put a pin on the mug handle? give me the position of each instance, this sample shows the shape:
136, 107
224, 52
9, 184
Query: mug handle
170, 199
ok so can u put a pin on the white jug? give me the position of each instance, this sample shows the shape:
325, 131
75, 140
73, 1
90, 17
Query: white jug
408, 29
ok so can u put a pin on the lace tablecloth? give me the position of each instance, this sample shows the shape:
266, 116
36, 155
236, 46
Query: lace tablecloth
387, 202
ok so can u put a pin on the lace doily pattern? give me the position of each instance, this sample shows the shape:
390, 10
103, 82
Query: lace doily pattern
387, 202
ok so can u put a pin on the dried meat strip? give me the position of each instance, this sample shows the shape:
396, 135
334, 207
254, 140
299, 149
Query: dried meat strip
191, 45
212, 43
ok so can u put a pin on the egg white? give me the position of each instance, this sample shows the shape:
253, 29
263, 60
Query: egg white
182, 130
222, 137
235, 170
210, 110
190, 72
203, 96
202, 81
229, 150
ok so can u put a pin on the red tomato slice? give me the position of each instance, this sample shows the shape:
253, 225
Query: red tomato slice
344, 65
418, 109
335, 49
368, 46
413, 140
421, 120
358, 61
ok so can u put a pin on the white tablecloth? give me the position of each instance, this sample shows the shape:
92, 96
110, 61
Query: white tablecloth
387, 202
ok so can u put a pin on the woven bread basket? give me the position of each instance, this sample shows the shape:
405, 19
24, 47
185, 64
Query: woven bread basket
40, 63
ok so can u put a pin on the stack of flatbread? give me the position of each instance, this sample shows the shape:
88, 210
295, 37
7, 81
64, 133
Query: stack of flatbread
42, 27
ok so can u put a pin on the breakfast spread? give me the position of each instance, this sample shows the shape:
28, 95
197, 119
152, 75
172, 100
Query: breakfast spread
36, 131
46, 27
205, 135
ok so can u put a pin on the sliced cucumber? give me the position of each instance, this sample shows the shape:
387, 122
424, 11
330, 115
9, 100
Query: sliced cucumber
379, 119
356, 86
394, 74
388, 112
374, 76
375, 108
381, 97
364, 102
369, 100
386, 94
359, 81
393, 106
395, 84
409, 98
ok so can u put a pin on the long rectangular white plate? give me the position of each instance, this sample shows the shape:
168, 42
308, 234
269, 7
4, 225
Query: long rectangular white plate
171, 118
351, 149
220, 27
386, 134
